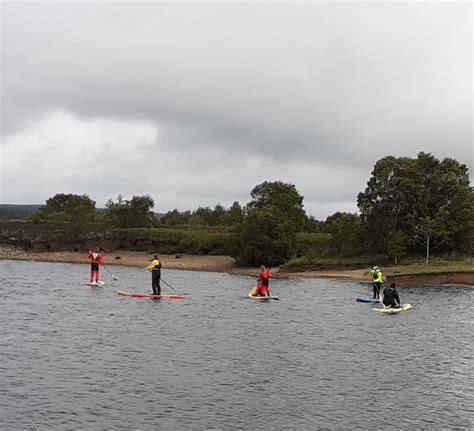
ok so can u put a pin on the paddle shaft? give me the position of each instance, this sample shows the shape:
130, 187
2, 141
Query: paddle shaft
107, 269
169, 285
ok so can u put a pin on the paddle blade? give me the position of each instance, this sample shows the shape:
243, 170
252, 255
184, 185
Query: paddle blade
253, 292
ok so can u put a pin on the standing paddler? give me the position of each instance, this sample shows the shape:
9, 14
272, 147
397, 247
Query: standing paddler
377, 276
96, 260
155, 268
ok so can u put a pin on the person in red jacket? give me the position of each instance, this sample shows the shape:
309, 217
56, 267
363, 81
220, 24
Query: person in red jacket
263, 280
96, 260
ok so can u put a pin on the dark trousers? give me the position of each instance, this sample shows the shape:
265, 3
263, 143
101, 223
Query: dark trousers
377, 286
155, 282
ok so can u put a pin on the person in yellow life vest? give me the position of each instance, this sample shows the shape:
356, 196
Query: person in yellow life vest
377, 275
155, 268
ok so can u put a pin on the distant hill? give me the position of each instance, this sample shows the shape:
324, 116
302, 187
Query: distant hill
20, 212
17, 212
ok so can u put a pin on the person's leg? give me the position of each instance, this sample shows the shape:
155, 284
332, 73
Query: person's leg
155, 282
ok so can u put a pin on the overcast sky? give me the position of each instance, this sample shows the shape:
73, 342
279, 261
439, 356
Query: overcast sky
196, 103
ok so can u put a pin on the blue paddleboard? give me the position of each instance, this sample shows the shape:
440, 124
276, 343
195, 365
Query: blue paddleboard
368, 299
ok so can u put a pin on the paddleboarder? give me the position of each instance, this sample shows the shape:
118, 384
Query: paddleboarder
96, 260
390, 297
377, 275
263, 280
155, 268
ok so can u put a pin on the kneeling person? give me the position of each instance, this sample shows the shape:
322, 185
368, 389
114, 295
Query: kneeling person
390, 297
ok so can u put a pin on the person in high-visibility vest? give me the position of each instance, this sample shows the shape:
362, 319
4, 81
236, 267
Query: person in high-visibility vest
155, 268
377, 275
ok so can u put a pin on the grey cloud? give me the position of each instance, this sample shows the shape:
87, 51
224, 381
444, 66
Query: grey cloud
339, 84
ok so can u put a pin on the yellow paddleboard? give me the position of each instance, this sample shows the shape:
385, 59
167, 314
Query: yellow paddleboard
252, 294
390, 310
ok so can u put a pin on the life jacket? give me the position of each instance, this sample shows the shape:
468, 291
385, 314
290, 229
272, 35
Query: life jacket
377, 274
264, 277
156, 265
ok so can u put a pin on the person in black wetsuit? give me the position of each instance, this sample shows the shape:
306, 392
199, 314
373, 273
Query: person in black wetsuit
390, 297
155, 268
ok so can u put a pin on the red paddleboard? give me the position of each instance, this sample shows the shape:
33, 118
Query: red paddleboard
145, 295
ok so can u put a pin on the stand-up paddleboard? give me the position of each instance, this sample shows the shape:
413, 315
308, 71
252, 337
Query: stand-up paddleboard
368, 299
263, 298
95, 284
145, 295
390, 310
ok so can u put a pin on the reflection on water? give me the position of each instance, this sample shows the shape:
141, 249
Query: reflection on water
79, 357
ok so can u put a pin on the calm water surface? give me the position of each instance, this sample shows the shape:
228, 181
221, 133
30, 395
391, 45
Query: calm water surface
78, 357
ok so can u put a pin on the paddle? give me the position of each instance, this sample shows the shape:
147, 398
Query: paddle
169, 285
113, 276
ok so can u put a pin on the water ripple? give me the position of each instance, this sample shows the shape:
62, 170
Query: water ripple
73, 357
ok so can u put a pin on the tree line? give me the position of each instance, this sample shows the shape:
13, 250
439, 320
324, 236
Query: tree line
410, 205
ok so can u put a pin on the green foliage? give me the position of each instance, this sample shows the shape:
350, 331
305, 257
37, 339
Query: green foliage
397, 245
282, 196
205, 216
67, 208
319, 262
265, 237
234, 215
130, 213
312, 225
313, 244
345, 231
173, 240
403, 193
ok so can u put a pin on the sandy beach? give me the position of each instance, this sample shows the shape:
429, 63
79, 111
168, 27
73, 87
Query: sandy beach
226, 264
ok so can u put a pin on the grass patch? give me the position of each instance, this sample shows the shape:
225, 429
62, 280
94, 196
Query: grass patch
436, 266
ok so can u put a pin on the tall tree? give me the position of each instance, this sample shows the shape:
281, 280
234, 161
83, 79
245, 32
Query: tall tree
69, 208
130, 213
283, 196
403, 192
267, 234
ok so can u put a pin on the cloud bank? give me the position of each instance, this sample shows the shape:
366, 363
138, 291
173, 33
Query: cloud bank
196, 103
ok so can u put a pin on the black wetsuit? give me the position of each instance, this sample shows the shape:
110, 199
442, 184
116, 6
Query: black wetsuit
155, 279
390, 297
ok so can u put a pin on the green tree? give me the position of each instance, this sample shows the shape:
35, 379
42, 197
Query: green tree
283, 196
68, 208
397, 245
234, 215
265, 237
174, 218
345, 233
404, 192
130, 213
267, 234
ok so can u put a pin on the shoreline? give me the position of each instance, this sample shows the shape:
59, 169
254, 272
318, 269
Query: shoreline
226, 264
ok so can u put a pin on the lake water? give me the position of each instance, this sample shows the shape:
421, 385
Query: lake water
74, 357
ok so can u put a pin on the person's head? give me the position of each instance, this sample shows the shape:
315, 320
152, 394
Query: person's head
97, 249
155, 256
262, 268
375, 268
392, 285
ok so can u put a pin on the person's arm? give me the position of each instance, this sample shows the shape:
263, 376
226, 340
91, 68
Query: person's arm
149, 267
99, 259
397, 298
